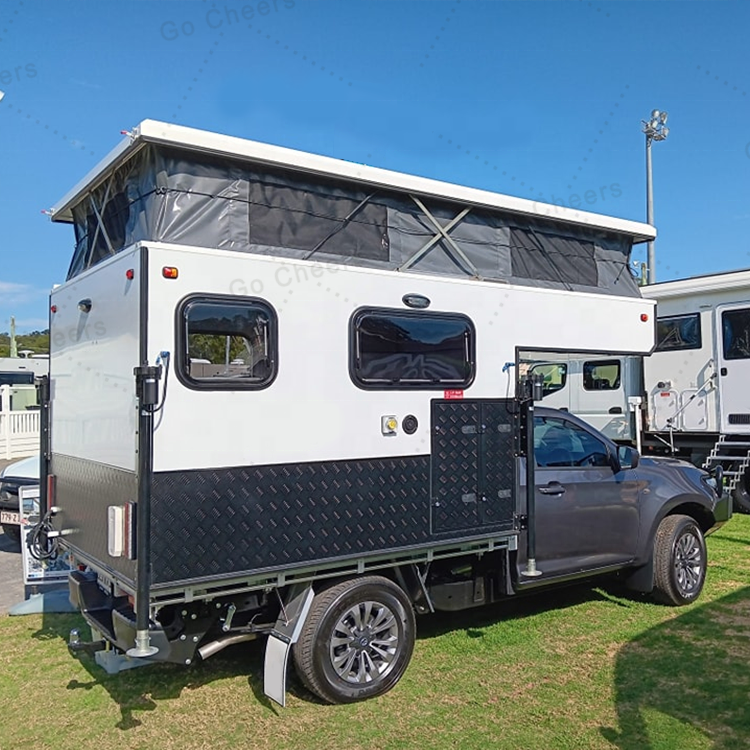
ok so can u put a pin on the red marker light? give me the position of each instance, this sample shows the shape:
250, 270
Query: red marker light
130, 274
644, 317
170, 272
53, 308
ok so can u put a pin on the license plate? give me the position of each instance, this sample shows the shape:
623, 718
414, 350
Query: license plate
8, 516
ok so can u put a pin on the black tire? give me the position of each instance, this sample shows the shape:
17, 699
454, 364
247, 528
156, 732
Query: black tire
679, 561
13, 533
374, 620
741, 494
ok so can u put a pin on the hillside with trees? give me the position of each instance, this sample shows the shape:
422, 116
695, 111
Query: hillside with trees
36, 341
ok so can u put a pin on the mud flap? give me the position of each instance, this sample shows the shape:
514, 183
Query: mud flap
283, 636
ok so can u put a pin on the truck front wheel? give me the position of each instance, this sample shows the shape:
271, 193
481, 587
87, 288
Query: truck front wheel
357, 640
679, 561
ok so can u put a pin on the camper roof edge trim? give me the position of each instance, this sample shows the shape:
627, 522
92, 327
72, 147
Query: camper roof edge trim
153, 131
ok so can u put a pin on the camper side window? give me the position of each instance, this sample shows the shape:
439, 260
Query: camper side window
226, 343
421, 350
601, 376
678, 333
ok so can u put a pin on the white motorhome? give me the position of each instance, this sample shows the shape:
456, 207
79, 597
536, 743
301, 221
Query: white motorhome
271, 369
697, 382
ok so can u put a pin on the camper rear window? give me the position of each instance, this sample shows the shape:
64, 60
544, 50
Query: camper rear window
678, 332
397, 349
226, 344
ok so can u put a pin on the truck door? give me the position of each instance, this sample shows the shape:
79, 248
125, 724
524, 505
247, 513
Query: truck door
733, 335
587, 512
602, 401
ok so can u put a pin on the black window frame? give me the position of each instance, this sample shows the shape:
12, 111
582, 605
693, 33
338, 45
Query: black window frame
226, 384
362, 312
602, 363
685, 347
727, 350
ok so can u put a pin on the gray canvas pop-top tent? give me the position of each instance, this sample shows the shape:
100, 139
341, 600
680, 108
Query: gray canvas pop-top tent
175, 184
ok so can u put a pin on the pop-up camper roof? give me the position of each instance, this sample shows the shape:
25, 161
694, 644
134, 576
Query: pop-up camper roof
168, 183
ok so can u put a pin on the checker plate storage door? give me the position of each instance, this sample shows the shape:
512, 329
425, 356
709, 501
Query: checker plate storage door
473, 466
455, 465
497, 476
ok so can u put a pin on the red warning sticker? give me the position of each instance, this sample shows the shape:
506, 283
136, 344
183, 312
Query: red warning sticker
453, 394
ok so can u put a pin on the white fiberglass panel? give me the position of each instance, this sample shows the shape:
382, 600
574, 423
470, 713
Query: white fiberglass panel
93, 354
312, 411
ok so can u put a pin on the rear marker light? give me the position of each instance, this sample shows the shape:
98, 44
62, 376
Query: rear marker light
130, 274
53, 308
169, 272
644, 317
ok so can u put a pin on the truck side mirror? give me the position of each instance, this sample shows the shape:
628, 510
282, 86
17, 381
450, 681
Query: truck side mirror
627, 457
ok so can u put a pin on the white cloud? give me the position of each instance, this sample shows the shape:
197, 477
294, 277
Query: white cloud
19, 294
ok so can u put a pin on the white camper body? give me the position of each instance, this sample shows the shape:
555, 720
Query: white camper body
697, 381
271, 368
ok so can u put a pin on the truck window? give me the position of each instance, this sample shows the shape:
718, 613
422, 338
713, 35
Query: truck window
16, 378
678, 332
603, 375
399, 349
226, 343
735, 327
555, 376
559, 443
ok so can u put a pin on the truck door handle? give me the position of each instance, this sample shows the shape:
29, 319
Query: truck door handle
553, 488
723, 371
615, 410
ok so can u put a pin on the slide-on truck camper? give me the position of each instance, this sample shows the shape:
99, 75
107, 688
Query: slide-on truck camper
279, 403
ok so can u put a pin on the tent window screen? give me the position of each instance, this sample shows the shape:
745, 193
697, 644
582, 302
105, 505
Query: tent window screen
678, 333
538, 255
227, 344
394, 349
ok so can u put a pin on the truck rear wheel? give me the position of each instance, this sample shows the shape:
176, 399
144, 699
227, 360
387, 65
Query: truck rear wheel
679, 561
357, 640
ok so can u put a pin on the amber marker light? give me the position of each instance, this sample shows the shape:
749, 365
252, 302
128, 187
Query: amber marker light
170, 272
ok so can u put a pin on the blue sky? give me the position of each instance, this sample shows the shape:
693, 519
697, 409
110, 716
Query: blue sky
535, 98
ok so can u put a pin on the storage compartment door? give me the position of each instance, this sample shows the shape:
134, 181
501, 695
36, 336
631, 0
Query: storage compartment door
473, 466
455, 465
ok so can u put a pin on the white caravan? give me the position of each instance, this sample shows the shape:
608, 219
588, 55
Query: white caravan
271, 369
697, 382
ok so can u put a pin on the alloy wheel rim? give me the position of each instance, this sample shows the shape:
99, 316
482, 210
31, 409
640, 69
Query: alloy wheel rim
365, 643
688, 563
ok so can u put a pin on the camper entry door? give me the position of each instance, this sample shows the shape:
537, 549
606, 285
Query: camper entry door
733, 337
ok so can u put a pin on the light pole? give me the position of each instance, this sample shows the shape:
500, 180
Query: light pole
656, 130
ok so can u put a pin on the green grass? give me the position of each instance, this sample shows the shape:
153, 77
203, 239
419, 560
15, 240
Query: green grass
577, 669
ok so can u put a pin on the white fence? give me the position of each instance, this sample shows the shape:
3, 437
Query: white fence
19, 428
